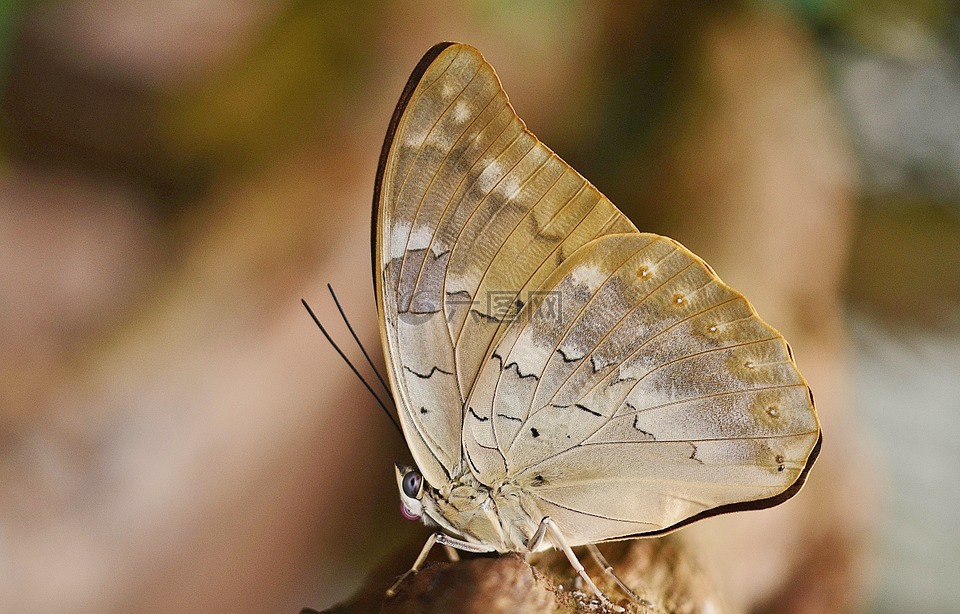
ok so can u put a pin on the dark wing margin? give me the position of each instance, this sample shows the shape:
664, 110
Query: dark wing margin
398, 111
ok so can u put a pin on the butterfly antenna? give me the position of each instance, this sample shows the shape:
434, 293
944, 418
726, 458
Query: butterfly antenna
357, 339
350, 364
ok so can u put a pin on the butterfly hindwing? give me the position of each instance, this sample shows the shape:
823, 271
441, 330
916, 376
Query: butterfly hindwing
637, 392
471, 214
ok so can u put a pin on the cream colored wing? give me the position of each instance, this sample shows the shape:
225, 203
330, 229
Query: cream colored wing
471, 213
639, 392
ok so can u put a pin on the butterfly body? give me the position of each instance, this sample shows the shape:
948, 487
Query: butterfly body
502, 517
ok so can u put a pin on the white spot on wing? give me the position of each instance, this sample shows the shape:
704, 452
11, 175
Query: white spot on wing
529, 356
510, 186
490, 175
416, 138
420, 238
398, 239
402, 240
588, 274
445, 139
461, 112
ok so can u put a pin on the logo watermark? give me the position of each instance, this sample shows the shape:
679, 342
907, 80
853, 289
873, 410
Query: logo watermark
495, 307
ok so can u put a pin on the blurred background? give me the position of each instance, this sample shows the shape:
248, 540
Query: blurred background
175, 435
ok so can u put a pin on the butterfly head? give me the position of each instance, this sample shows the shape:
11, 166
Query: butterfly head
411, 484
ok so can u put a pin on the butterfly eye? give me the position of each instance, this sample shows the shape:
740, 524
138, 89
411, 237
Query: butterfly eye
412, 482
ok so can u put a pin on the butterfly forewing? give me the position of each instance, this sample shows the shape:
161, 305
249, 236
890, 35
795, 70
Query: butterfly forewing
472, 213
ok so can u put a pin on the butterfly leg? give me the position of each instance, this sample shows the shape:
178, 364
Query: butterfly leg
547, 525
608, 569
416, 564
451, 553
444, 540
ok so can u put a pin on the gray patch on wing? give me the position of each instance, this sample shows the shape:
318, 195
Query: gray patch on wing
601, 315
546, 326
418, 280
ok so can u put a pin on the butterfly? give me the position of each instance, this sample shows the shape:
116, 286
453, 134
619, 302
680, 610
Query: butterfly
561, 378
